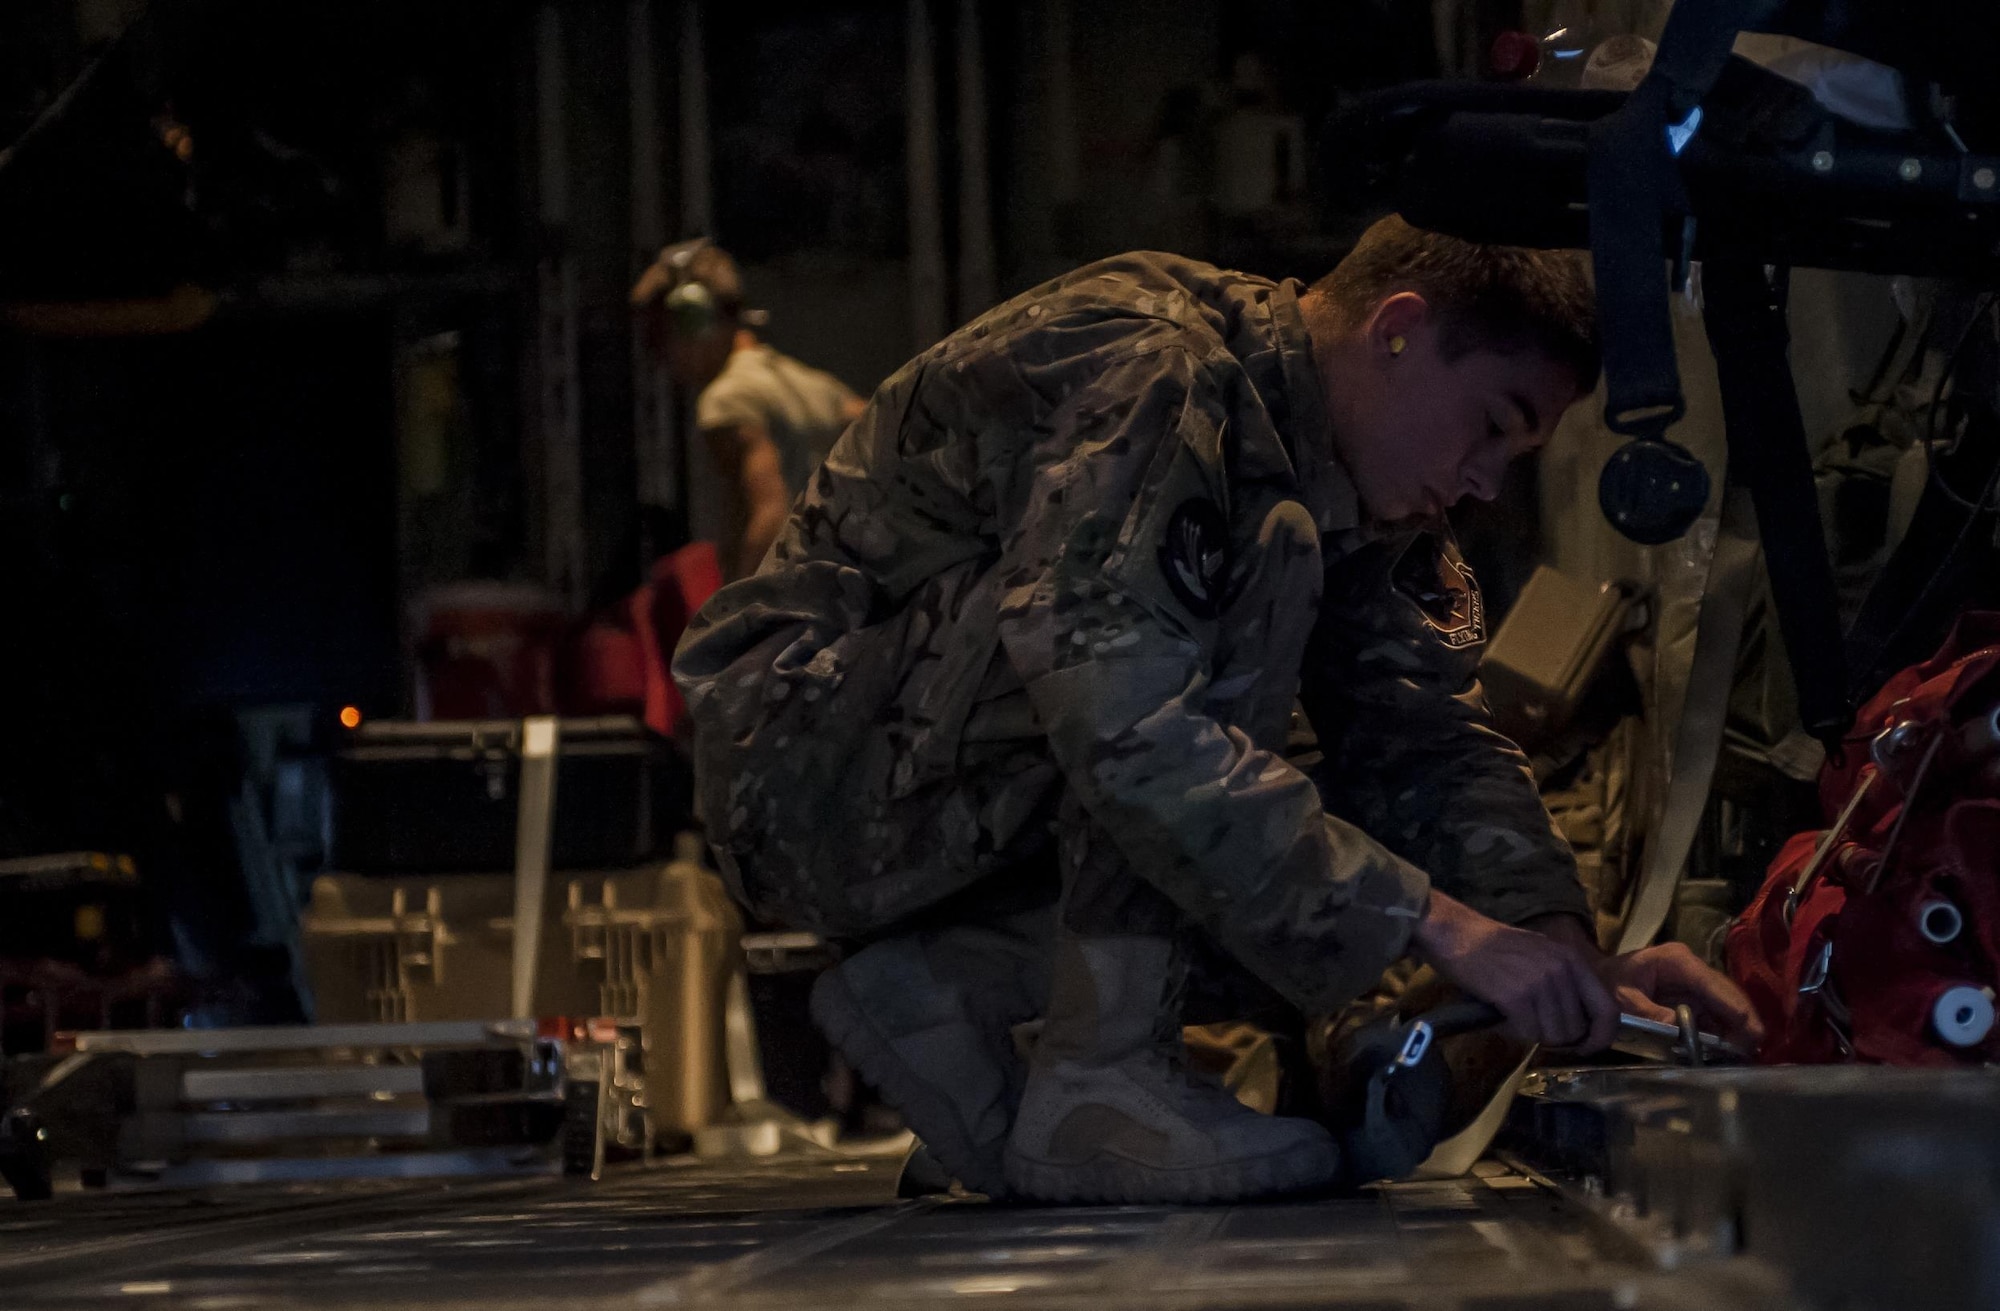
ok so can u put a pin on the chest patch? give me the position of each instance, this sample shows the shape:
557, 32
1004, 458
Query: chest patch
1194, 556
1432, 575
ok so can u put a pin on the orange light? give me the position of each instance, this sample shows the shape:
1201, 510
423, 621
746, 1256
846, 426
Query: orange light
350, 716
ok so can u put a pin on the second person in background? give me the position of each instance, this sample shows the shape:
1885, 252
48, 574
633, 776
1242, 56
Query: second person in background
766, 419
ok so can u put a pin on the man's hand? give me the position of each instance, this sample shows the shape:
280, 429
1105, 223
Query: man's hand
1652, 981
1547, 989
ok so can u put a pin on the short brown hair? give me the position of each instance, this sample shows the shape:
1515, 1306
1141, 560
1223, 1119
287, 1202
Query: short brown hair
1507, 299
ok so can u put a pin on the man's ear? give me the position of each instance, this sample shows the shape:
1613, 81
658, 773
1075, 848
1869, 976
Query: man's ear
1397, 319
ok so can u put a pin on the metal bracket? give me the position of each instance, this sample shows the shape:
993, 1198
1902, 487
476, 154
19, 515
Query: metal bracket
534, 840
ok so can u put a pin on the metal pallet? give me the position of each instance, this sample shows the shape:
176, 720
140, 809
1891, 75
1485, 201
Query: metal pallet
1861, 1186
182, 1108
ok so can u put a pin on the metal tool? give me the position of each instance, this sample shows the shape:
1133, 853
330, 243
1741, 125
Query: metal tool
1637, 1036
1657, 1040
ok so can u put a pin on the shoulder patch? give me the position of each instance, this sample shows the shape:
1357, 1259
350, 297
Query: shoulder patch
1194, 555
1435, 578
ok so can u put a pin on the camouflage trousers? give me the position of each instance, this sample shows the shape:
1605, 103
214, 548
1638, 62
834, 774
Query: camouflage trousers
828, 813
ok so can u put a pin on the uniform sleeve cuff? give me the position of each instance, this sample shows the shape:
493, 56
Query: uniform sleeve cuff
1518, 911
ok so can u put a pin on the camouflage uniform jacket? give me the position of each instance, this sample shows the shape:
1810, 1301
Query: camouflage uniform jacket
1107, 498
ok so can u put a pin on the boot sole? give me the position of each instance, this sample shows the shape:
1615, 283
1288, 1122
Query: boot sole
927, 1111
1113, 1180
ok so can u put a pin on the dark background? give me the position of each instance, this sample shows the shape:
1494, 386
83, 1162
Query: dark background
204, 516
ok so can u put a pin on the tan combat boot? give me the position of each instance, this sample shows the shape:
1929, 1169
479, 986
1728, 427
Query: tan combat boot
1111, 1114
926, 1019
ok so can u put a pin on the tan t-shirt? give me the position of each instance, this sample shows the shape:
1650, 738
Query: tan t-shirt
803, 409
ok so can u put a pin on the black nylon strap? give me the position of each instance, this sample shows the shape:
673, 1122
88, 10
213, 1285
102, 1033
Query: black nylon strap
1697, 42
1635, 190
1745, 318
1632, 179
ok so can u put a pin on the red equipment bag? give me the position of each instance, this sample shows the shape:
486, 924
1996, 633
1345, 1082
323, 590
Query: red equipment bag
485, 650
620, 661
1877, 939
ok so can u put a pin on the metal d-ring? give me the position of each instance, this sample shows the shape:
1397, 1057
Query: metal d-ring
1690, 1035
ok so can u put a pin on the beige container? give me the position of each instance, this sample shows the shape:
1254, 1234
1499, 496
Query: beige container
659, 945
1551, 645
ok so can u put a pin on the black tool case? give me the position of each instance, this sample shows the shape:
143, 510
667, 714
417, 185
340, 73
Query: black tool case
443, 796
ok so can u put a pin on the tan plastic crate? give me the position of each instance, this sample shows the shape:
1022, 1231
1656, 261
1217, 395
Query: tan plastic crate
658, 944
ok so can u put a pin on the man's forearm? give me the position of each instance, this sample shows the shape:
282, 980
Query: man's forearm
1544, 983
1566, 928
758, 534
